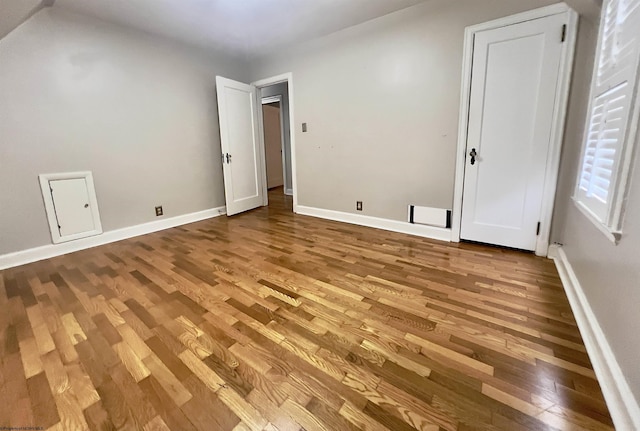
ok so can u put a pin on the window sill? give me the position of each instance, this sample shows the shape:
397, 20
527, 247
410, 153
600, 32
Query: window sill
611, 235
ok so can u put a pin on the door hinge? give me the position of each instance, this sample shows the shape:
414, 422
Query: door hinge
564, 32
538, 229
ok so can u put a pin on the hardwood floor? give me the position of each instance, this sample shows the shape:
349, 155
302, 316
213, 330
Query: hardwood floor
273, 321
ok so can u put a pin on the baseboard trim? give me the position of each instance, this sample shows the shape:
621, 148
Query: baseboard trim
623, 406
52, 250
432, 232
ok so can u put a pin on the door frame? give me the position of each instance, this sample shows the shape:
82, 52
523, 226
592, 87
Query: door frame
273, 99
557, 128
259, 84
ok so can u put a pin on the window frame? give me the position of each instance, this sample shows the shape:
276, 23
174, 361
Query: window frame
611, 227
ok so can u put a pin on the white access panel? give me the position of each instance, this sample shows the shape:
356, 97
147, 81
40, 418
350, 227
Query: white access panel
71, 200
71, 205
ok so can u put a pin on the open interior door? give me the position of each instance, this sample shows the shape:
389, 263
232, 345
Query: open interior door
240, 142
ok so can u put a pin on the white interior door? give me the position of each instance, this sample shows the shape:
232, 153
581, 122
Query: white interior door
513, 89
242, 163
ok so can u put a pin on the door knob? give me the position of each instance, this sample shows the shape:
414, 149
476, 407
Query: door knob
473, 155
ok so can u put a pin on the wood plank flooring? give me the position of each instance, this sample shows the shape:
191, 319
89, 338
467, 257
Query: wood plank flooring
274, 321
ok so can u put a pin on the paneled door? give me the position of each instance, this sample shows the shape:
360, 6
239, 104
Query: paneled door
241, 160
514, 81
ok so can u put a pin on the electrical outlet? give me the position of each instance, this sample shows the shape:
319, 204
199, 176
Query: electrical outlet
159, 211
358, 205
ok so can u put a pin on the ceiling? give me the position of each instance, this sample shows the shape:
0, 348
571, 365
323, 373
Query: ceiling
244, 27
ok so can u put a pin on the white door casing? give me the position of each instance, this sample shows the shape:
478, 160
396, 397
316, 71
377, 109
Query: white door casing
515, 75
288, 78
71, 205
241, 146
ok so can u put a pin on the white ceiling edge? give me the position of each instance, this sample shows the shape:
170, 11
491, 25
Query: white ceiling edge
243, 28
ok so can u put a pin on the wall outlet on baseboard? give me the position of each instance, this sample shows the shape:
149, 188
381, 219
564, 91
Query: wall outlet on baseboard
159, 211
358, 205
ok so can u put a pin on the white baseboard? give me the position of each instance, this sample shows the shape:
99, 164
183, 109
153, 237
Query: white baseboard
432, 232
48, 251
623, 406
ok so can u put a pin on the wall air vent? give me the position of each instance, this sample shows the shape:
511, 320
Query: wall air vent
430, 216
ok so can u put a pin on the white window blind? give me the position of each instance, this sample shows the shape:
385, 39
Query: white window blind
611, 123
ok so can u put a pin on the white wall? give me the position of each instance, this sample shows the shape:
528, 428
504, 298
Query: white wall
381, 100
138, 111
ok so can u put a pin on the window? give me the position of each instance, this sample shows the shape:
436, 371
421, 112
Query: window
613, 117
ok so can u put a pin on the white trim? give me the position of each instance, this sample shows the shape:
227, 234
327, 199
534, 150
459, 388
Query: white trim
49, 204
557, 133
611, 236
623, 406
283, 77
557, 130
424, 231
463, 125
530, 15
48, 251
288, 78
271, 99
263, 147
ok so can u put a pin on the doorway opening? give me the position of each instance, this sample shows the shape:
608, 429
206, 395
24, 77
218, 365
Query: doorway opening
276, 135
242, 143
276, 119
273, 143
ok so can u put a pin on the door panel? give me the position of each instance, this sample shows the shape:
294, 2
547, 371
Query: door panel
71, 200
240, 145
513, 89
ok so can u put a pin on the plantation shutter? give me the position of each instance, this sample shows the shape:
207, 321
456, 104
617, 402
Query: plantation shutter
613, 89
